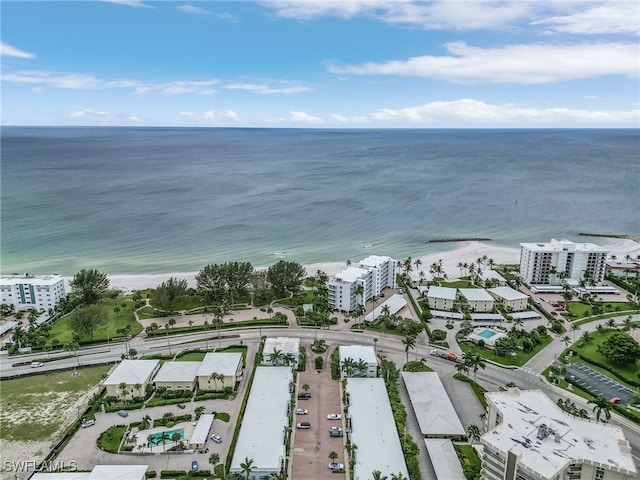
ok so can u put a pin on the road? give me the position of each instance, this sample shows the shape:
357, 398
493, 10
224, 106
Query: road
492, 377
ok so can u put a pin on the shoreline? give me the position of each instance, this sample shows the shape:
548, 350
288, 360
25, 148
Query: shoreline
466, 252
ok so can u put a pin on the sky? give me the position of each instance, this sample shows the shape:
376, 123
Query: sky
321, 64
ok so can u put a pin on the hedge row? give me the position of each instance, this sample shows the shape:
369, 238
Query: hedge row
608, 369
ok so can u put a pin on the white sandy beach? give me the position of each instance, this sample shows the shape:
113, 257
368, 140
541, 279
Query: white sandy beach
466, 252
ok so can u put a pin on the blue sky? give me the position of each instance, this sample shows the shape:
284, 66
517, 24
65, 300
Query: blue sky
323, 64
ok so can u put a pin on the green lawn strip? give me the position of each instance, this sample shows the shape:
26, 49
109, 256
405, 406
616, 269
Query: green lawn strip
33, 407
479, 390
458, 284
604, 316
110, 439
62, 331
265, 322
578, 310
519, 359
146, 312
223, 417
300, 298
469, 460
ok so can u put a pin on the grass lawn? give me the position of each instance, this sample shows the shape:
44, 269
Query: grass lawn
37, 407
62, 331
468, 459
581, 310
458, 284
299, 298
519, 359
110, 439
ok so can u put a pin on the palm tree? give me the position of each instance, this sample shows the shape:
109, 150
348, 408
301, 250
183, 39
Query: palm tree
374, 300
348, 366
123, 390
601, 406
276, 356
409, 342
574, 328
164, 438
473, 432
462, 368
417, 262
377, 475
359, 293
151, 441
611, 323
474, 362
460, 266
333, 456
146, 421
359, 312
306, 387
175, 438
567, 340
362, 367
398, 476
247, 467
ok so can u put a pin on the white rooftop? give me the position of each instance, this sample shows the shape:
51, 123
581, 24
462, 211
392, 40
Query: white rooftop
488, 274
118, 472
442, 292
395, 302
560, 244
6, 326
494, 317
222, 363
374, 261
444, 459
476, 294
507, 293
526, 315
373, 429
358, 352
284, 344
417, 275
351, 274
445, 314
27, 278
434, 411
177, 372
201, 432
261, 436
132, 372
571, 439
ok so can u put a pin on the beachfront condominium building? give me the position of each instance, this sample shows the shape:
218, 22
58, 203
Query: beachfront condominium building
356, 285
551, 263
530, 438
24, 292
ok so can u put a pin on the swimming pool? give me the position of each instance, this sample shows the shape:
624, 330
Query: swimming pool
486, 333
156, 438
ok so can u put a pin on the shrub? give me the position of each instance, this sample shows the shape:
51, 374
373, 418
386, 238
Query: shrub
172, 473
150, 474
438, 335
170, 424
319, 363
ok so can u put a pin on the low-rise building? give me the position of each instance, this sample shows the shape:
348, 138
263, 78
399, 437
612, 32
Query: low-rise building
201, 432
24, 292
99, 472
491, 277
393, 304
281, 351
530, 438
266, 417
373, 430
361, 361
220, 370
510, 299
177, 375
441, 298
478, 299
130, 378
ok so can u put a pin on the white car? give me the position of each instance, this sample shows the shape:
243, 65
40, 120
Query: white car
36, 364
301, 411
216, 438
334, 416
336, 466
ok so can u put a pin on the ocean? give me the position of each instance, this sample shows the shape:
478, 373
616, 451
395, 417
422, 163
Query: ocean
155, 200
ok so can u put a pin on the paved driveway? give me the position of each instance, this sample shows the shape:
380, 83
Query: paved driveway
310, 448
598, 383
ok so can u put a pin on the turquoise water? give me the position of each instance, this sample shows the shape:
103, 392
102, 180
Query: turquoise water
486, 333
157, 437
158, 200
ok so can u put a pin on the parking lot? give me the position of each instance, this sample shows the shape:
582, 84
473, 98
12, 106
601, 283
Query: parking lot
597, 383
311, 447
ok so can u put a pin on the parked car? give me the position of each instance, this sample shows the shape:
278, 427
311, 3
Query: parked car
182, 406
36, 364
334, 416
303, 425
335, 432
88, 423
216, 438
301, 411
336, 466
304, 396
194, 466
263, 309
123, 413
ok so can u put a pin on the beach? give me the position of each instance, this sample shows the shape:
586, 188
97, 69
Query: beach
465, 252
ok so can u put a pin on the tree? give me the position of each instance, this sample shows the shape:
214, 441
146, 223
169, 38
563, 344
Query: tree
214, 459
473, 432
348, 366
285, 277
620, 349
504, 347
276, 357
116, 310
85, 321
167, 295
409, 342
601, 406
133, 352
88, 285
377, 475
306, 387
164, 438
474, 362
175, 437
146, 421
247, 467
333, 456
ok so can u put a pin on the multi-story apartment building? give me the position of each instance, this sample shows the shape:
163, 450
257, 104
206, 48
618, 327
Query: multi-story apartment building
40, 292
374, 274
550, 263
530, 438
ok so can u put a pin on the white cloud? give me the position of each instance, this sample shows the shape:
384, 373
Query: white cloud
265, 89
614, 17
302, 117
525, 64
339, 118
191, 10
7, 50
230, 115
475, 113
129, 3
88, 112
